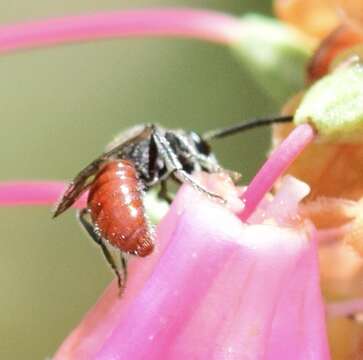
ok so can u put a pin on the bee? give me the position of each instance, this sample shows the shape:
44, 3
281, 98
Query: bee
136, 161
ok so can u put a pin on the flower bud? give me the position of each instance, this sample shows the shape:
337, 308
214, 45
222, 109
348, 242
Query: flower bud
333, 105
275, 54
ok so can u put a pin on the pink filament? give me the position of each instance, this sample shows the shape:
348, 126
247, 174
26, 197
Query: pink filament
274, 167
199, 24
17, 193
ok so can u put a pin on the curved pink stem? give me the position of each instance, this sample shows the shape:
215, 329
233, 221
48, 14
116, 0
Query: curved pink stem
274, 167
17, 193
345, 307
199, 24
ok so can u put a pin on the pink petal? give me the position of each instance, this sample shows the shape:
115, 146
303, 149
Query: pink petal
298, 329
215, 288
283, 207
98, 324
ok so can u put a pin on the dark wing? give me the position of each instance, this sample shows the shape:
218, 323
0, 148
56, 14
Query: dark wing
78, 185
84, 179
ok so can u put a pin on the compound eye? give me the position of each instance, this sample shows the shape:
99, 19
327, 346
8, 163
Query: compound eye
201, 145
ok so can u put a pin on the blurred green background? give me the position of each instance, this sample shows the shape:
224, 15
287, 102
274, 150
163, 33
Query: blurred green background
59, 107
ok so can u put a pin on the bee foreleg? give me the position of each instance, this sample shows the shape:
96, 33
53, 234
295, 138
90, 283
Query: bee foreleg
163, 193
175, 168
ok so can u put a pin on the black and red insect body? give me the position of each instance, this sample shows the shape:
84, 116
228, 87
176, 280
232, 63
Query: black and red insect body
141, 158
116, 208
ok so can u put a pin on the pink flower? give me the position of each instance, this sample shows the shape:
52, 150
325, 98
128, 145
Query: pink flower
215, 287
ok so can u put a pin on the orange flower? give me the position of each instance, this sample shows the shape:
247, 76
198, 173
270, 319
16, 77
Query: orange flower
319, 17
334, 171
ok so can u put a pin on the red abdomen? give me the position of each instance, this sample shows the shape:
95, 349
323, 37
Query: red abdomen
116, 208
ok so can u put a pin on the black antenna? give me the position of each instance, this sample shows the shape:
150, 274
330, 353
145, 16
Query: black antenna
251, 124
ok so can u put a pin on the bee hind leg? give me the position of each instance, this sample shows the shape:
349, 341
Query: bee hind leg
88, 226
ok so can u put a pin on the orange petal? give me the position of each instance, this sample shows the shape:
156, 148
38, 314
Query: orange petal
340, 41
329, 212
355, 236
331, 170
315, 17
345, 338
351, 10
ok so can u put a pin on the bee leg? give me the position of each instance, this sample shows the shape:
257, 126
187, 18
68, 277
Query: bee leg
123, 260
164, 194
175, 168
183, 176
88, 226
